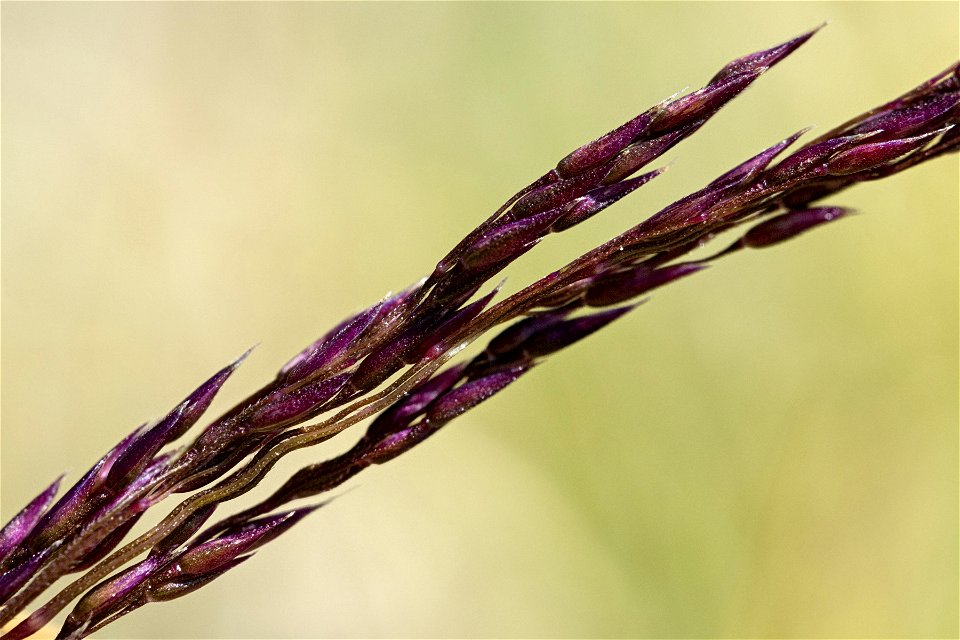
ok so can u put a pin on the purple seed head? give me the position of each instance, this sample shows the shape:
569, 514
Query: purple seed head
876, 154
766, 58
314, 479
669, 113
80, 500
557, 194
703, 103
399, 442
263, 530
507, 242
211, 556
565, 333
624, 285
382, 363
599, 199
419, 325
394, 309
806, 161
285, 405
752, 167
333, 344
451, 292
788, 225
173, 589
513, 337
470, 394
606, 146
22, 570
639, 154
123, 508
134, 457
413, 404
20, 526
437, 342
107, 544
109, 594
902, 122
135, 497
687, 211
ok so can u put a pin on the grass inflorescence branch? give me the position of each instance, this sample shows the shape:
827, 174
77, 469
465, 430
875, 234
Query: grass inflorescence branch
394, 361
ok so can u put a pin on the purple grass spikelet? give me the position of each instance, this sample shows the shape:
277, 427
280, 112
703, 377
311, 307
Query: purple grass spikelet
789, 225
22, 524
875, 154
617, 287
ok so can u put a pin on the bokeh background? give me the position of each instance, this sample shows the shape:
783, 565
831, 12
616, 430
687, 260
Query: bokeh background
766, 450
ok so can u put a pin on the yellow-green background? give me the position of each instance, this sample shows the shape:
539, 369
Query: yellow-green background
768, 449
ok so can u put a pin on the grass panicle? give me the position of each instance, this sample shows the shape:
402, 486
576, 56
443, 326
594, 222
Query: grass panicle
394, 361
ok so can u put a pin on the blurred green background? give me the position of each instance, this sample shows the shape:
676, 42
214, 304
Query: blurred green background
766, 450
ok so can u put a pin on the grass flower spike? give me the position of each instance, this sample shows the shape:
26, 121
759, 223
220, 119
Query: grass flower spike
396, 362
